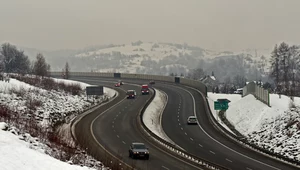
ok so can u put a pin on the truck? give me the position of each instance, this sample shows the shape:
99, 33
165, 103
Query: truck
145, 89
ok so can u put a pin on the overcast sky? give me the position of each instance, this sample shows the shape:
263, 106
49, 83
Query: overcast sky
212, 24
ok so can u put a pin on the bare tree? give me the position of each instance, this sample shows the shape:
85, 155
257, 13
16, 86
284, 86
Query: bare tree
275, 70
197, 74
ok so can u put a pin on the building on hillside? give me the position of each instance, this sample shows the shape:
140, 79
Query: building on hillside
209, 81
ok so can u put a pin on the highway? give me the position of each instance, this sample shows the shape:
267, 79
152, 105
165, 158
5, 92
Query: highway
202, 140
116, 128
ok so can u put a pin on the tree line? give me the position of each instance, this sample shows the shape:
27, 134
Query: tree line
285, 67
13, 60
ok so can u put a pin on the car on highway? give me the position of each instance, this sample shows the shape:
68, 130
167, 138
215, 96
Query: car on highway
145, 89
138, 150
192, 120
131, 94
117, 85
152, 82
121, 82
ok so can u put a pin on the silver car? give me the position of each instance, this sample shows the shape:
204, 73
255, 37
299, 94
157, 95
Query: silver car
192, 120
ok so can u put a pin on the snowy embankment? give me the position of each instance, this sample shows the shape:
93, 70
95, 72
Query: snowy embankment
33, 108
275, 128
153, 115
18, 154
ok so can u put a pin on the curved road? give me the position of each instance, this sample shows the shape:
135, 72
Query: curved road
116, 128
203, 140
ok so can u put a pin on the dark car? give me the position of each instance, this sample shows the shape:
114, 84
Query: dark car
138, 150
121, 82
131, 94
152, 82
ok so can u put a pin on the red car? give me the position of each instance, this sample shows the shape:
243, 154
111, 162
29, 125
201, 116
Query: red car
117, 85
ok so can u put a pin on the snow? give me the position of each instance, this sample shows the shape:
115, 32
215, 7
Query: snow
153, 114
276, 127
19, 150
265, 126
144, 49
16, 154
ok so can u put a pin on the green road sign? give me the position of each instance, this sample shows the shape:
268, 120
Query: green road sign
220, 106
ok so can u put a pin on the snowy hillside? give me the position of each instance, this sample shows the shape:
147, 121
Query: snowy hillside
166, 58
33, 115
276, 128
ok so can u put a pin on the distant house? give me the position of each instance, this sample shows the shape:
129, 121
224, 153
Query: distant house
209, 81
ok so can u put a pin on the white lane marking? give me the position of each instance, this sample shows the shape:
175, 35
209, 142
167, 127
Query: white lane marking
200, 145
212, 152
117, 115
178, 120
248, 168
113, 122
123, 142
118, 136
179, 124
185, 133
178, 116
228, 160
217, 140
165, 167
181, 128
114, 118
178, 109
178, 112
112, 126
192, 139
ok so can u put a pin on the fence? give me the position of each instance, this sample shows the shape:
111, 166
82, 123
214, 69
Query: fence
259, 92
192, 83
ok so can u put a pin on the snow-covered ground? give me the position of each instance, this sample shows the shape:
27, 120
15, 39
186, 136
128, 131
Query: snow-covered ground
276, 128
17, 154
18, 149
153, 115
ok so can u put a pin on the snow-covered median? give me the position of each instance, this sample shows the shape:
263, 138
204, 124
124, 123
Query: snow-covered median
153, 115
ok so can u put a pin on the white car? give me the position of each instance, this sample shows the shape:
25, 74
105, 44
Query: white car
192, 120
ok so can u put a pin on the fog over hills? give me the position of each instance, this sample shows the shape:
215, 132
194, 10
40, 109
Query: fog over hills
160, 58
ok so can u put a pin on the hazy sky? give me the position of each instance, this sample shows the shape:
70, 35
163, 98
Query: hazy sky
211, 24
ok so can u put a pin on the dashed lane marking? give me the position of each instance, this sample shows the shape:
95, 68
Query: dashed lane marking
200, 145
228, 160
118, 136
165, 167
212, 152
192, 139
185, 133
123, 142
